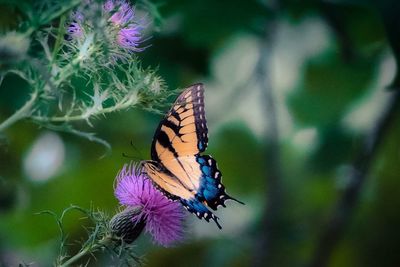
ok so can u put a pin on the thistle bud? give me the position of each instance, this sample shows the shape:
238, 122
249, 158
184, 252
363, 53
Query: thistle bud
124, 227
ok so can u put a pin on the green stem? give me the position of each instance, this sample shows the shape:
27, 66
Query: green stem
60, 36
89, 250
68, 70
84, 116
20, 114
80, 255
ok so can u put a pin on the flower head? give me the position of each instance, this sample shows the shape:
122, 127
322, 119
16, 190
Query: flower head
75, 28
124, 13
109, 5
129, 28
163, 218
78, 16
114, 36
130, 38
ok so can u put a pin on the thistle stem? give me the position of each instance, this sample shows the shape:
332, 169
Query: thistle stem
79, 255
84, 116
86, 251
20, 114
60, 37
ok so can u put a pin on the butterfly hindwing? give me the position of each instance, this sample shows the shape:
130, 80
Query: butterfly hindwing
194, 206
211, 189
175, 189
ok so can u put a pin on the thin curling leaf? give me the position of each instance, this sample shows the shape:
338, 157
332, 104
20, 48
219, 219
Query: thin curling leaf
101, 237
98, 99
89, 136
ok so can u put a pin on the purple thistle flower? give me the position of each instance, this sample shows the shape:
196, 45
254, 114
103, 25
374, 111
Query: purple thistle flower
109, 5
130, 38
77, 16
124, 13
164, 218
75, 30
129, 30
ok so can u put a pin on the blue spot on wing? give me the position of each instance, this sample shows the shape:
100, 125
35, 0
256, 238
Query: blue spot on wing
201, 160
206, 171
201, 146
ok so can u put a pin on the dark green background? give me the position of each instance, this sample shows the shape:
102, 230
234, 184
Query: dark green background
328, 59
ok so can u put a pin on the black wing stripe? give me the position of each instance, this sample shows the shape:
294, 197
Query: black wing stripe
173, 127
174, 114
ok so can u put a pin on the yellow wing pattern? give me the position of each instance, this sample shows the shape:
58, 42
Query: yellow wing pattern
177, 168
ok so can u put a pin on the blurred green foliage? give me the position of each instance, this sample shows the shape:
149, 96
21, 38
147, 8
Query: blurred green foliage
347, 75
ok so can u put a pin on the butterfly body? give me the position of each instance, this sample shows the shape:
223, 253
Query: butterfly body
177, 168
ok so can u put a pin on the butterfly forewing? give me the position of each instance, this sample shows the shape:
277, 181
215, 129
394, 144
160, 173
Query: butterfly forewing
183, 131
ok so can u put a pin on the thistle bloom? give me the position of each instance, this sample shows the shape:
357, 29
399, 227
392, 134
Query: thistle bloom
130, 38
123, 31
122, 16
124, 13
75, 29
108, 5
163, 218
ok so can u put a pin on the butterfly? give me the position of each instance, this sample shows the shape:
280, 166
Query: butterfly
177, 167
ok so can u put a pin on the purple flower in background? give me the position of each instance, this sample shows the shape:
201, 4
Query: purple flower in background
123, 31
75, 29
109, 5
123, 14
78, 16
130, 38
163, 218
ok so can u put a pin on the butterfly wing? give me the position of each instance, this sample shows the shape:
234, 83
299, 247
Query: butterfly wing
174, 189
183, 131
177, 168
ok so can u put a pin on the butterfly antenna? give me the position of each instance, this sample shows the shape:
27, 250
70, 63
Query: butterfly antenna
130, 157
137, 150
234, 199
